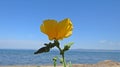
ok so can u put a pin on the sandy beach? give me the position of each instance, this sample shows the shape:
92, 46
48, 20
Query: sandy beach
106, 63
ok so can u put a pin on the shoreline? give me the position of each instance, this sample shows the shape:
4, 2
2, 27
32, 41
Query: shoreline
105, 63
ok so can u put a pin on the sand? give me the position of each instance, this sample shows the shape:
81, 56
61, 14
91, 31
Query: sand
106, 63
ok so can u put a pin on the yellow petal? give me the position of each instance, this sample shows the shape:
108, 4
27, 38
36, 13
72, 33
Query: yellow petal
49, 28
57, 31
42, 28
69, 29
64, 28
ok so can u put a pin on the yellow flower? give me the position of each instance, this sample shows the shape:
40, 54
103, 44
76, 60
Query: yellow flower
57, 30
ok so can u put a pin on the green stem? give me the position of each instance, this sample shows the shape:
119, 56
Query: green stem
61, 52
64, 63
54, 63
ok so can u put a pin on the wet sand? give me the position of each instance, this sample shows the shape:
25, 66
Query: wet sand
106, 63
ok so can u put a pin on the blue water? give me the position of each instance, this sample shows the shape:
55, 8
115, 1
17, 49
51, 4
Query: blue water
27, 57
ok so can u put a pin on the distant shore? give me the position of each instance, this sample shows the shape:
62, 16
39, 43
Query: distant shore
105, 63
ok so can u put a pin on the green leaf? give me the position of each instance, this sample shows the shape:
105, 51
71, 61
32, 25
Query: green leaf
67, 46
61, 60
46, 48
55, 58
70, 64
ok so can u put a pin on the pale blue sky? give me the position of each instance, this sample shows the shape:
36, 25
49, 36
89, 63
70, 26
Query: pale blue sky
96, 22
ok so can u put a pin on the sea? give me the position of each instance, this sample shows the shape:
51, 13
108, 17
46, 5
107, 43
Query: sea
75, 56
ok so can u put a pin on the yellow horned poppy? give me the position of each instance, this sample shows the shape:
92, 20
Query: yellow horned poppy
57, 30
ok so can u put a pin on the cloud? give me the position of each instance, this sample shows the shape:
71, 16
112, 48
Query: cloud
107, 42
20, 44
103, 41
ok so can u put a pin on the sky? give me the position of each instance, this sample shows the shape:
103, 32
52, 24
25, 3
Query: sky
96, 23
